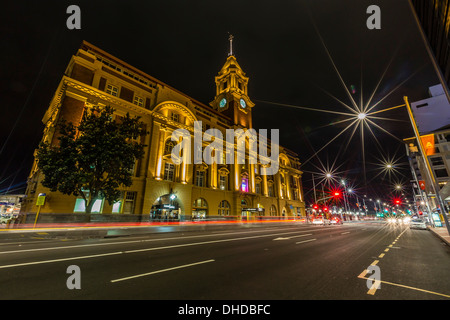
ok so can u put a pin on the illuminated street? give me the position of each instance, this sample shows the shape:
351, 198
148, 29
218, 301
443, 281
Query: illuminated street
278, 261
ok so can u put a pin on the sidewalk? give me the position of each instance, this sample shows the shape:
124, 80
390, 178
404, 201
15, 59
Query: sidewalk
442, 233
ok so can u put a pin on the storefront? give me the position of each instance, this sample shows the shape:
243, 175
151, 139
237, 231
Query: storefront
165, 208
249, 213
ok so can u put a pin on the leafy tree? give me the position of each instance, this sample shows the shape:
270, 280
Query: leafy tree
94, 159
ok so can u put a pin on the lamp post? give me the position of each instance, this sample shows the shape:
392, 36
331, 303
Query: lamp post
345, 201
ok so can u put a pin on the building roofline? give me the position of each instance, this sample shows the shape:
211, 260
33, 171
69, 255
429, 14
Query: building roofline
87, 45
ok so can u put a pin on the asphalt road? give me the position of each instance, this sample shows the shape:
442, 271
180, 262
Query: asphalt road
265, 262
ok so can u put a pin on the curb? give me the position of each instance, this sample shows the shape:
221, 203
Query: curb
441, 235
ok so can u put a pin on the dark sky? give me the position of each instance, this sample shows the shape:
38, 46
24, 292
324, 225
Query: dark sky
184, 43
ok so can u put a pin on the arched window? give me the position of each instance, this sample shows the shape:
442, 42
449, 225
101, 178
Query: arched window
168, 146
244, 182
224, 208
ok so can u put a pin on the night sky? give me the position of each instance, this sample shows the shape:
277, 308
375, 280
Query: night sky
185, 43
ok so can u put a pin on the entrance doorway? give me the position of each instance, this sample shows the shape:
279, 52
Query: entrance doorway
165, 208
199, 209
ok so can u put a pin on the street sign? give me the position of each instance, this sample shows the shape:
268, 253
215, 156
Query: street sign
39, 203
41, 199
422, 184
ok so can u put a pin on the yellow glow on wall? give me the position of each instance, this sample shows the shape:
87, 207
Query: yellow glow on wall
158, 169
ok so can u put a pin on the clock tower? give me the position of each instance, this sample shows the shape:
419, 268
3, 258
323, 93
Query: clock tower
231, 92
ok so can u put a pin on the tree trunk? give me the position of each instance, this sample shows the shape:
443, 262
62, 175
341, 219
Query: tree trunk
89, 204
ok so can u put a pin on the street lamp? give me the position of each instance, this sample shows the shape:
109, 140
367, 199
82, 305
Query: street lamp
345, 200
362, 116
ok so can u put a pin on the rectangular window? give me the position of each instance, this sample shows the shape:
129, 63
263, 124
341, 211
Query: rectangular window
112, 90
169, 169
200, 178
138, 101
116, 206
438, 161
441, 173
295, 194
80, 206
223, 182
175, 117
244, 184
130, 199
258, 188
270, 190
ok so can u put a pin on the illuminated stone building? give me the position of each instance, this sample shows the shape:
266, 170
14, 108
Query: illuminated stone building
161, 187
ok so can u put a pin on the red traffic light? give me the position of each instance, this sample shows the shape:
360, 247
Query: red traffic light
335, 194
325, 208
315, 207
397, 201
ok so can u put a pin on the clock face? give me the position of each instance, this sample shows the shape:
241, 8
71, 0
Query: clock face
223, 102
243, 104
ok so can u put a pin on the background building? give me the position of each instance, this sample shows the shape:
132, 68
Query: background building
160, 187
433, 17
431, 116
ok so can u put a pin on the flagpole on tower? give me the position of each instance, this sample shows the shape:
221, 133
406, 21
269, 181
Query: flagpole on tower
230, 38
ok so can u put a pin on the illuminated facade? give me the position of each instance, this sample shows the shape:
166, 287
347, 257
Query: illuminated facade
160, 187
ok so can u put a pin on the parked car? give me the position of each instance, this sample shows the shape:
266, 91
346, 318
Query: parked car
418, 224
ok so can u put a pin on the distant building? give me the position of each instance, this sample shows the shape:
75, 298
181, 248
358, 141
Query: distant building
10, 203
160, 187
431, 117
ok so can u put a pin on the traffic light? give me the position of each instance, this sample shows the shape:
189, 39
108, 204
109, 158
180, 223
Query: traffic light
325, 209
315, 207
398, 201
337, 194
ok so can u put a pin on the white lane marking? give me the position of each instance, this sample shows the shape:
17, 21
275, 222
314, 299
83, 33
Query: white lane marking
59, 260
288, 238
305, 241
143, 250
138, 241
163, 270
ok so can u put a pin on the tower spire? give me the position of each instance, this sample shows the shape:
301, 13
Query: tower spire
230, 38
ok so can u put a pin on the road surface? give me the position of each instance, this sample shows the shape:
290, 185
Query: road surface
286, 261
